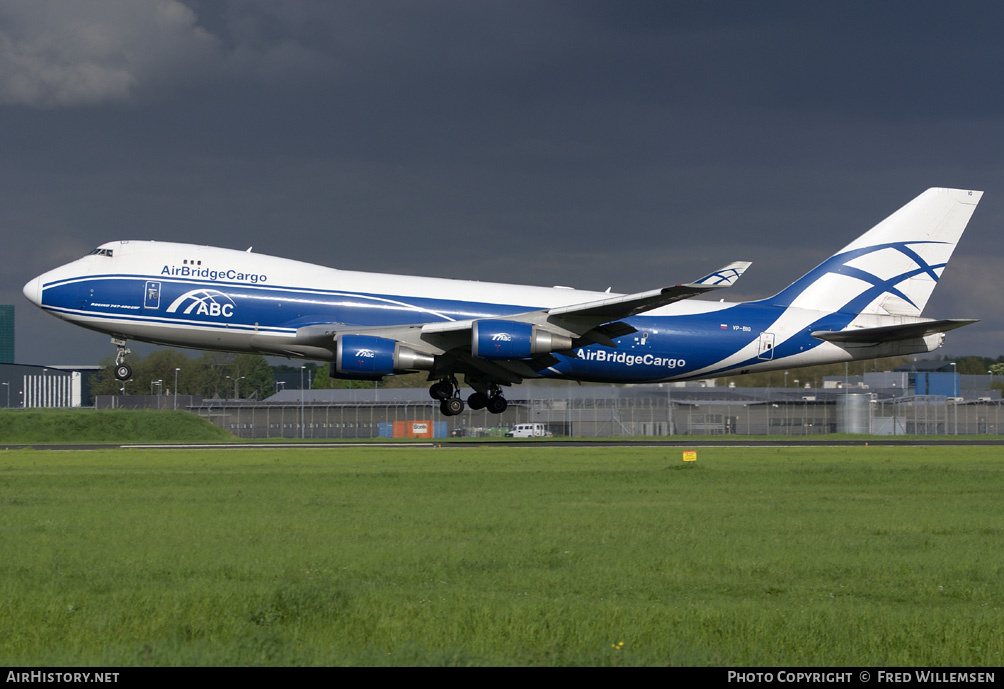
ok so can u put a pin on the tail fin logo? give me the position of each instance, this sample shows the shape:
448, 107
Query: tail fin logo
203, 302
894, 269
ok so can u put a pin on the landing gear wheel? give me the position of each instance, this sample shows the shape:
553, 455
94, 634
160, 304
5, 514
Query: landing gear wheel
497, 404
443, 390
452, 406
478, 400
122, 370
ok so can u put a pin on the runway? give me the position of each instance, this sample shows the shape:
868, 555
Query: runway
958, 441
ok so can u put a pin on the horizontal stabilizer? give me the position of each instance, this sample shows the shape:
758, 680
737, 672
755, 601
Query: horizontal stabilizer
891, 333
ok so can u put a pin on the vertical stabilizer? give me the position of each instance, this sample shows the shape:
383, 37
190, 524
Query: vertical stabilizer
893, 268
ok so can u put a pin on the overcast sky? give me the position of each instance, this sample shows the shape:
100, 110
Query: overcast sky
629, 145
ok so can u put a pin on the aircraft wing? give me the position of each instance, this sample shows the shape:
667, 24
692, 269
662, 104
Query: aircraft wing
579, 319
581, 324
633, 304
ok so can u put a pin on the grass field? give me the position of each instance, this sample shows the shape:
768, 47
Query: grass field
54, 426
502, 556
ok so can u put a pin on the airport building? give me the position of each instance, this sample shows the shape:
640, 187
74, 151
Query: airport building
28, 387
6, 334
24, 386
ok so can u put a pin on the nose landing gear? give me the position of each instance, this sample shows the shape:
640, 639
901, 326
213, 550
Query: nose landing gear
123, 371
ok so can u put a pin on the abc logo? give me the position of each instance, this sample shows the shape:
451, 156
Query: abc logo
204, 302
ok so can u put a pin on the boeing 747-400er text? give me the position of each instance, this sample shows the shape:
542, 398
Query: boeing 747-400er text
863, 302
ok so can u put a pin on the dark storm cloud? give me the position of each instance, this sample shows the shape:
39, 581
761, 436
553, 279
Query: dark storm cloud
55, 54
585, 143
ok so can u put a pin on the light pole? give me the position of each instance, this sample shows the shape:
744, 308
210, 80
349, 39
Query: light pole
176, 388
955, 395
7, 385
991, 372
303, 431
236, 395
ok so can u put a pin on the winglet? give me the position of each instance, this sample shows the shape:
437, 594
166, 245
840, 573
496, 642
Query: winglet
723, 277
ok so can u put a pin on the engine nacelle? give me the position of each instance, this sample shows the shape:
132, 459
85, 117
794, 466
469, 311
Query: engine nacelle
514, 340
368, 358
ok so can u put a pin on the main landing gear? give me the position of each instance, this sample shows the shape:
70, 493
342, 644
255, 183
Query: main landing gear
447, 391
122, 370
491, 399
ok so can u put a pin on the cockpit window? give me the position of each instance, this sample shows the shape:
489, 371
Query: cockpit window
101, 252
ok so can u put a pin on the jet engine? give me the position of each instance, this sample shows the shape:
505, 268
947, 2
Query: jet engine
370, 358
513, 340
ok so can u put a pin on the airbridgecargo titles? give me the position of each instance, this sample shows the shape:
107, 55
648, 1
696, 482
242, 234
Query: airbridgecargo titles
863, 302
208, 273
628, 359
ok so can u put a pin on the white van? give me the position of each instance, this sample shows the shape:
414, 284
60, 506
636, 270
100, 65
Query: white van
528, 430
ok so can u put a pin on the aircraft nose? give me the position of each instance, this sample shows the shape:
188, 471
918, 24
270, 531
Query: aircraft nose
33, 291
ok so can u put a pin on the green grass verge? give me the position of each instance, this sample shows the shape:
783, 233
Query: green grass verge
502, 556
31, 426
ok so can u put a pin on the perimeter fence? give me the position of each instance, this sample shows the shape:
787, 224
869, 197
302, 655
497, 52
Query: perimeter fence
583, 416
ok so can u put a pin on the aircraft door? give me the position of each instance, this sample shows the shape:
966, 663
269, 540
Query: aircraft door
151, 295
766, 348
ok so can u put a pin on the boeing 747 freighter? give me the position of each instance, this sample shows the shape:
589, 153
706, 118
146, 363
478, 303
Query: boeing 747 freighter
863, 302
